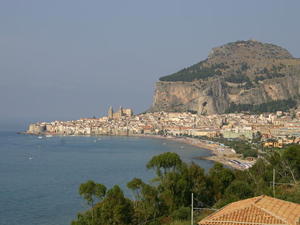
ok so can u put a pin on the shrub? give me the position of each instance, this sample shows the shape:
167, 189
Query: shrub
182, 213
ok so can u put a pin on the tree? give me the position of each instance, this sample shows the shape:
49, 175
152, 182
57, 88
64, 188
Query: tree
175, 190
292, 158
239, 188
115, 209
199, 186
164, 163
92, 191
135, 185
148, 204
83, 219
170, 197
220, 179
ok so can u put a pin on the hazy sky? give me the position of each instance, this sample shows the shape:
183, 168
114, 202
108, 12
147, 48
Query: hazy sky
66, 59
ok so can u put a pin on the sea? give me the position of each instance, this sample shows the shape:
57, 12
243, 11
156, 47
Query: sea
40, 177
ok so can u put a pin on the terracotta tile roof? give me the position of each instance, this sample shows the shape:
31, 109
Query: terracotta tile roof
257, 211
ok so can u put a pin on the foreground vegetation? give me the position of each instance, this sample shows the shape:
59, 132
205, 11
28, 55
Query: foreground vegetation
167, 198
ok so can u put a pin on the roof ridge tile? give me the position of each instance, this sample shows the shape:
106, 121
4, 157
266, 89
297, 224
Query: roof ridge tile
260, 209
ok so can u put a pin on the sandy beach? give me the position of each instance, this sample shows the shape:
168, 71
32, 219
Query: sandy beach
221, 153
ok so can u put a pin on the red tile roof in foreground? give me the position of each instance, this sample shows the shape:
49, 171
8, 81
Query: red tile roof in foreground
257, 211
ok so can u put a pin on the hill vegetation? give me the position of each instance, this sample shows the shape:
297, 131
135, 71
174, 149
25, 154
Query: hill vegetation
236, 60
272, 106
242, 72
167, 198
195, 72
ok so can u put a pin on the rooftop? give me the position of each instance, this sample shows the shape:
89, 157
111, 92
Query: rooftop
257, 211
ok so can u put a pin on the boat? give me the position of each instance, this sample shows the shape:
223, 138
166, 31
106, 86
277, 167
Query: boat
49, 135
40, 137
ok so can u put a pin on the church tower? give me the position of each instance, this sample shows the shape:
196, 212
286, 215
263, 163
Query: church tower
121, 111
110, 113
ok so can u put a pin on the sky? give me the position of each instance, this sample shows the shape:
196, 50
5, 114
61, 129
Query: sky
68, 59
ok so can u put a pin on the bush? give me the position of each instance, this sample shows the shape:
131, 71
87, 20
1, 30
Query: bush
239, 188
182, 213
238, 78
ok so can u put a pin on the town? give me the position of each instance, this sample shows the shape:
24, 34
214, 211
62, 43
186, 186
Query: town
282, 128
272, 129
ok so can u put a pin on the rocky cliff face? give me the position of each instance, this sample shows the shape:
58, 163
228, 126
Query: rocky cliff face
244, 72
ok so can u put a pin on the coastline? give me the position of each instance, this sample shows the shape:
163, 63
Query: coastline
220, 153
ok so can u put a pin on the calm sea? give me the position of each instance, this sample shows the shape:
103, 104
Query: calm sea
39, 178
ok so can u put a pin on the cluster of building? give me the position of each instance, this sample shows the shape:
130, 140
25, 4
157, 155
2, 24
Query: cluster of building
276, 129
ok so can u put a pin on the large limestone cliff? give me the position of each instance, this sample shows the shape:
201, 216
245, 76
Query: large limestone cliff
244, 72
194, 96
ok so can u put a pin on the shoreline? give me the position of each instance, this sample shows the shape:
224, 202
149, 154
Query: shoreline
220, 153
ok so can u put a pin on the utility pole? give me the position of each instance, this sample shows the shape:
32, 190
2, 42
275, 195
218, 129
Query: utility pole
274, 183
192, 209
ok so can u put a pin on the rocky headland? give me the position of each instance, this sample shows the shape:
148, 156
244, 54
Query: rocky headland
232, 78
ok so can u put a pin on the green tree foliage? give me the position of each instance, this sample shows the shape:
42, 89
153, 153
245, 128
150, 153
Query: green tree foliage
147, 205
244, 66
169, 198
241, 147
182, 213
289, 193
270, 74
84, 219
237, 78
220, 179
115, 209
239, 188
292, 158
164, 163
272, 106
200, 185
135, 185
92, 191
196, 72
